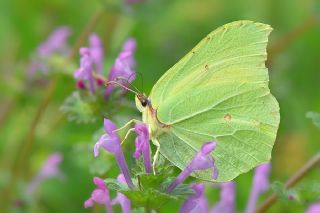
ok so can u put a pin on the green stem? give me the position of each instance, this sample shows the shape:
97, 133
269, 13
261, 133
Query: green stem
288, 38
293, 180
84, 34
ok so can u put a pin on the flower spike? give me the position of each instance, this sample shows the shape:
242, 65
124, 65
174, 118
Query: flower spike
260, 184
121, 198
111, 143
196, 202
99, 195
201, 161
142, 145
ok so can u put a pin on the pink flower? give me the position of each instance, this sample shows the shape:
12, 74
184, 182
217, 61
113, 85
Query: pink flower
201, 161
123, 68
99, 195
196, 202
56, 43
111, 143
313, 208
226, 203
85, 71
50, 168
97, 53
121, 198
260, 184
142, 145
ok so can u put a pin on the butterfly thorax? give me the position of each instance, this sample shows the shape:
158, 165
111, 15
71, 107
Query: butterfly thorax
149, 117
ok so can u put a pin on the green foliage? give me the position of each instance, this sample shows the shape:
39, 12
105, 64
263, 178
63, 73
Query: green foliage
79, 109
284, 194
151, 192
315, 117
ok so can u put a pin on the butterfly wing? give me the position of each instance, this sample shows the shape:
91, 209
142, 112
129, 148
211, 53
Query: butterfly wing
219, 91
235, 50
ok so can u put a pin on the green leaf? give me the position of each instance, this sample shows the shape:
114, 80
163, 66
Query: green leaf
115, 185
151, 192
79, 109
284, 194
315, 117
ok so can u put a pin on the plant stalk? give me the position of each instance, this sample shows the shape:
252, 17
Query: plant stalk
293, 180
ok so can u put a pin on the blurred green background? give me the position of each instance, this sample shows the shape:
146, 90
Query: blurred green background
165, 30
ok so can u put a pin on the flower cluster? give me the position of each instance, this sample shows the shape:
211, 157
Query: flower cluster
91, 62
91, 65
197, 202
111, 142
123, 69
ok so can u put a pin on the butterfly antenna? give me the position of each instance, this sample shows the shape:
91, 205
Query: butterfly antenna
122, 86
128, 83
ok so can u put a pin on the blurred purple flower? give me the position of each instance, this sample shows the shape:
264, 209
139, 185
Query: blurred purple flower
96, 51
111, 143
56, 43
313, 208
50, 168
99, 195
121, 198
201, 161
85, 71
226, 203
196, 202
142, 145
123, 68
260, 184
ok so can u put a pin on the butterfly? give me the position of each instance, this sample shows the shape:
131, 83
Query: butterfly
217, 92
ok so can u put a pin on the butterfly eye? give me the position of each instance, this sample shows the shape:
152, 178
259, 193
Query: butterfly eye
144, 102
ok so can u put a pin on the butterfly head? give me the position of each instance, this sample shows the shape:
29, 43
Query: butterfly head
142, 102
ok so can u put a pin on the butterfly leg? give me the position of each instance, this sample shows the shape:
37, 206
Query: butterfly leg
127, 124
127, 135
156, 155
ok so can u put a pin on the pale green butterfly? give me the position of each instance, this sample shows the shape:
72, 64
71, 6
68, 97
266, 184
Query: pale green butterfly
217, 92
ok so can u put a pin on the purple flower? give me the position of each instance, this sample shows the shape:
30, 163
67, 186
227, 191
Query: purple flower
56, 43
99, 195
260, 184
201, 161
313, 208
124, 65
142, 145
50, 168
96, 51
227, 199
85, 71
111, 143
196, 202
121, 198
